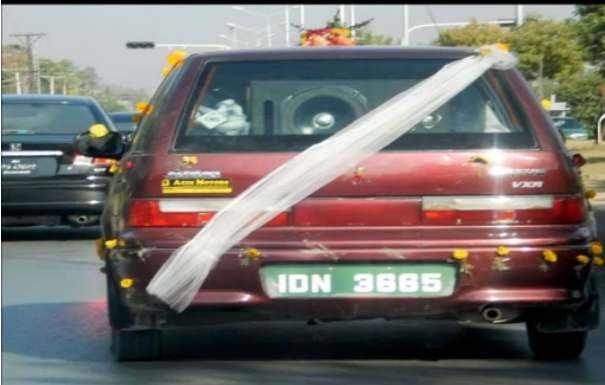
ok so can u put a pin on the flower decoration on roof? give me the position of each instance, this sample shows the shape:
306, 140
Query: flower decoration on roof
335, 33
174, 60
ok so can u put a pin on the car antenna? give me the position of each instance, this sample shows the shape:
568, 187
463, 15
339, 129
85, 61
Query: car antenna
430, 11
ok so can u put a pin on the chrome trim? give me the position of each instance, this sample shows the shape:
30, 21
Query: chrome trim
32, 153
502, 202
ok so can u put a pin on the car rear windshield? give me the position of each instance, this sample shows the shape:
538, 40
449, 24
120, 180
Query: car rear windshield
46, 118
124, 123
290, 105
567, 123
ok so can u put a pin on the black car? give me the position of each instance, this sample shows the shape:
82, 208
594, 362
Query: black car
44, 181
125, 123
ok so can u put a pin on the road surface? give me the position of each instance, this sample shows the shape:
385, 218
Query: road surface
54, 331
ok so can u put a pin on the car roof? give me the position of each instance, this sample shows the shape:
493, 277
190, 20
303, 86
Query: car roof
31, 98
335, 52
123, 113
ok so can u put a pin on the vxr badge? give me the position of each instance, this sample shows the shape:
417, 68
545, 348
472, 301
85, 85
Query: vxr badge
15, 146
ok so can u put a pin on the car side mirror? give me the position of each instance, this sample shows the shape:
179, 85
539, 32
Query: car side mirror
109, 146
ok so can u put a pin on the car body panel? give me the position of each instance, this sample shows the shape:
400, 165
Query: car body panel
234, 289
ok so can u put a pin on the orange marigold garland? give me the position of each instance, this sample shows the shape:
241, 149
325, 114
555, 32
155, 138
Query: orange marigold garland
334, 34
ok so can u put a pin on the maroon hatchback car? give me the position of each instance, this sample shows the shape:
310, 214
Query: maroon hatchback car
477, 214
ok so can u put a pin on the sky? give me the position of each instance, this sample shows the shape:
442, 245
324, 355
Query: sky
95, 35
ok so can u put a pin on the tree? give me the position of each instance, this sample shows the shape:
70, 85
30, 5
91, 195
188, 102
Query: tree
590, 32
584, 92
14, 59
474, 34
366, 37
546, 48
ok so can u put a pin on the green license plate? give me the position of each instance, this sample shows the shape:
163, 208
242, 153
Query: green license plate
364, 280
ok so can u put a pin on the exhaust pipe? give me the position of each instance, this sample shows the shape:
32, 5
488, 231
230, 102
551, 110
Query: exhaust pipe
82, 220
492, 314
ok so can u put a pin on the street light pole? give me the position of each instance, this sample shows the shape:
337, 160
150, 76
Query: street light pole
599, 129
352, 18
269, 42
287, 25
406, 23
267, 17
519, 15
342, 14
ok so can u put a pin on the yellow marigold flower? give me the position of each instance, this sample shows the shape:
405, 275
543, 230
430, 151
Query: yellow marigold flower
597, 261
549, 256
252, 253
99, 247
583, 259
144, 108
596, 248
460, 254
176, 58
480, 158
190, 159
340, 31
113, 243
503, 47
166, 71
126, 283
98, 130
591, 194
502, 251
114, 168
136, 118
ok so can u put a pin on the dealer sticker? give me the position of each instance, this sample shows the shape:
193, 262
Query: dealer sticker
197, 186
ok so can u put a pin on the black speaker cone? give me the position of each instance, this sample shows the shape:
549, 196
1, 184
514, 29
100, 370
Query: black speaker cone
322, 110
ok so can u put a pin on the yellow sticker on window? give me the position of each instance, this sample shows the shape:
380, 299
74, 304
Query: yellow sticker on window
196, 186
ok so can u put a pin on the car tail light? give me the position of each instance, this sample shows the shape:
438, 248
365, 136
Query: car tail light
502, 210
81, 160
578, 160
183, 213
357, 212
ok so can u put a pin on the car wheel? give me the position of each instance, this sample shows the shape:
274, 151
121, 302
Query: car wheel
556, 346
128, 345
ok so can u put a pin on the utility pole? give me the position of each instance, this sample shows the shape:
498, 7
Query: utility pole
519, 15
30, 40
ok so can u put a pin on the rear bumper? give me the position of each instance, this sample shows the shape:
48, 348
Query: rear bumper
55, 197
234, 292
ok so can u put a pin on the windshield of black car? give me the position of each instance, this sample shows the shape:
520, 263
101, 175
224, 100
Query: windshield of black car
124, 125
290, 105
568, 124
46, 118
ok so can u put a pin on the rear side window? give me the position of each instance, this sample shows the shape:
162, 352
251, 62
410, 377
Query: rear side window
290, 105
124, 123
46, 118
146, 125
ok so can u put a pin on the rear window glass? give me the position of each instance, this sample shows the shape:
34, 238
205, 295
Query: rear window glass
124, 123
46, 118
567, 123
290, 105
